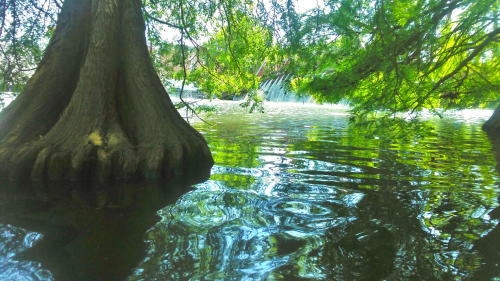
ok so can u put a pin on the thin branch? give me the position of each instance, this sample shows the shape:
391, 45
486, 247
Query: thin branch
162, 22
185, 72
58, 4
42, 10
476, 51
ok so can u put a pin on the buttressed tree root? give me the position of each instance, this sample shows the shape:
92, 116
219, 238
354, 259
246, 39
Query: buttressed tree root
95, 107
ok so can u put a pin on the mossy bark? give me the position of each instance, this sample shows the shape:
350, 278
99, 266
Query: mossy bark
95, 108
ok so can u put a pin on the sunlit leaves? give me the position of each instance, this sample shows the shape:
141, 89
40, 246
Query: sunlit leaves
401, 55
228, 63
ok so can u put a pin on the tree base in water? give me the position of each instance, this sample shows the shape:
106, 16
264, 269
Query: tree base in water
87, 232
95, 108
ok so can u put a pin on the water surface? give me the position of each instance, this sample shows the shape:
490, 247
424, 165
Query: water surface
299, 193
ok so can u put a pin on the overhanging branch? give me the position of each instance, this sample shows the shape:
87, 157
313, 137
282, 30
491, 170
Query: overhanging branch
162, 22
491, 37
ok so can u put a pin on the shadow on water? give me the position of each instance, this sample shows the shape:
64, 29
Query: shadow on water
488, 246
73, 232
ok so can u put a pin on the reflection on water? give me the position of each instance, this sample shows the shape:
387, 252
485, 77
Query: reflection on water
296, 194
15, 240
70, 232
301, 194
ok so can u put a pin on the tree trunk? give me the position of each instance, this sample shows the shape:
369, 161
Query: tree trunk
492, 126
95, 108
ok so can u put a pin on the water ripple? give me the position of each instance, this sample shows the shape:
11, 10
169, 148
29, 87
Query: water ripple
14, 240
304, 194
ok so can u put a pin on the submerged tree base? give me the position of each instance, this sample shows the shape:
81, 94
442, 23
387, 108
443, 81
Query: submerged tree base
81, 232
492, 126
95, 108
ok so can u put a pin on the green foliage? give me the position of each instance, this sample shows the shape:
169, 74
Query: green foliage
383, 56
197, 108
237, 37
25, 28
400, 56
254, 101
205, 108
229, 61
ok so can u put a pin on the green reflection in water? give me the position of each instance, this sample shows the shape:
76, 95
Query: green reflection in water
301, 193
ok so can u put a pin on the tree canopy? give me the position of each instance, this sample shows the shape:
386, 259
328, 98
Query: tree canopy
390, 55
399, 55
229, 60
25, 29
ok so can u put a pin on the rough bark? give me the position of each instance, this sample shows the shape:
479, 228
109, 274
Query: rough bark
95, 108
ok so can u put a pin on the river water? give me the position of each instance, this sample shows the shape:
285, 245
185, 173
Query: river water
300, 193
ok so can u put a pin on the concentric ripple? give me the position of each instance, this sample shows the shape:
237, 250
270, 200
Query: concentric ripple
302, 194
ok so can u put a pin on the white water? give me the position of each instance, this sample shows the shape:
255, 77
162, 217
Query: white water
275, 91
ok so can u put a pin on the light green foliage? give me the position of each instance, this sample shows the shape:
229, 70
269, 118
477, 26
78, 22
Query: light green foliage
399, 56
236, 40
254, 101
198, 108
229, 61
229, 40
384, 56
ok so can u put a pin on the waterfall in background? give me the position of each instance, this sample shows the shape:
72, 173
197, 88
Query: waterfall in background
275, 91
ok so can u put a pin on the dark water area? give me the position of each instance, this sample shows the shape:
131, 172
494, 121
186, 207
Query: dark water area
69, 231
298, 193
